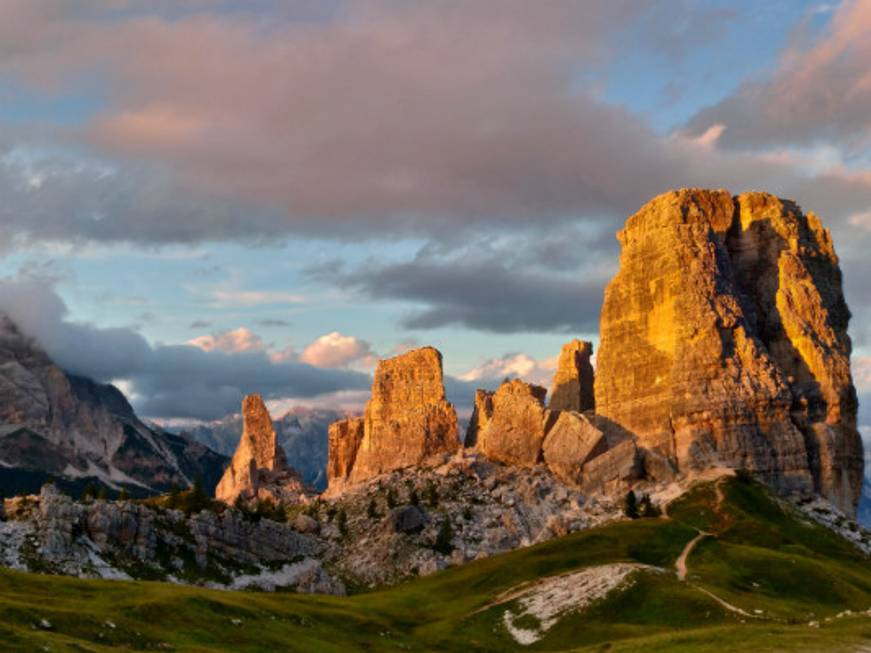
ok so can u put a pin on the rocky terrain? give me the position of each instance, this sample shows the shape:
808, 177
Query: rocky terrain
57, 425
301, 432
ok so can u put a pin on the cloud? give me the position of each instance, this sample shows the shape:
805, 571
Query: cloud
337, 350
516, 365
166, 381
820, 92
199, 324
230, 342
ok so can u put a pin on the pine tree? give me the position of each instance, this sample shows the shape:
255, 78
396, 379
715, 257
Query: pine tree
630, 508
444, 537
123, 495
103, 494
432, 494
391, 498
342, 521
372, 509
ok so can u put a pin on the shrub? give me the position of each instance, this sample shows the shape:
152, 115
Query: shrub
646, 507
630, 505
467, 512
444, 536
342, 521
372, 509
391, 498
432, 494
123, 495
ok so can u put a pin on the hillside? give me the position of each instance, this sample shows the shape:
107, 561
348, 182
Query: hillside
762, 580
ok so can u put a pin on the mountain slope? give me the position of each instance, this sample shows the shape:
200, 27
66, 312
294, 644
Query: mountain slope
58, 425
794, 580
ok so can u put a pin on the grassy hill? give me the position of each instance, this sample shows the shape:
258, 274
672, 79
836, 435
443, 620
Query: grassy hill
754, 584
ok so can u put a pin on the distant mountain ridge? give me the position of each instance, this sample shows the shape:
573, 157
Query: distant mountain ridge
59, 426
302, 433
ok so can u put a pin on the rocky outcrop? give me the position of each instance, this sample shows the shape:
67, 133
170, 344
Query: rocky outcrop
572, 387
723, 340
481, 414
258, 468
63, 426
345, 437
407, 421
570, 444
515, 432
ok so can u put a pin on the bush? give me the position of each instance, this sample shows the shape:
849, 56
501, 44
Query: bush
432, 494
630, 505
443, 538
89, 493
342, 521
372, 509
391, 498
102, 494
467, 512
646, 507
123, 495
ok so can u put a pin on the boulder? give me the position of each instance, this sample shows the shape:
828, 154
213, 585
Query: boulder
516, 429
406, 519
570, 443
572, 387
723, 341
613, 471
408, 420
481, 414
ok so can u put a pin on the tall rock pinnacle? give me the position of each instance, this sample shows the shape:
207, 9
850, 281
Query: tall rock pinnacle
724, 341
573, 382
258, 462
407, 420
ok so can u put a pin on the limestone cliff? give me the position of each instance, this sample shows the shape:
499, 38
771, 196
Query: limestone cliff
515, 431
406, 421
481, 414
258, 468
345, 436
572, 387
724, 341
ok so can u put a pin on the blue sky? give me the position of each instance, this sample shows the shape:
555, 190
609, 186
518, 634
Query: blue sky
334, 182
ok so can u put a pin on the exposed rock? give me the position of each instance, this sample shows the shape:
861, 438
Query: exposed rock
305, 524
516, 429
481, 414
68, 426
570, 443
345, 437
573, 381
258, 468
724, 341
408, 420
611, 472
407, 519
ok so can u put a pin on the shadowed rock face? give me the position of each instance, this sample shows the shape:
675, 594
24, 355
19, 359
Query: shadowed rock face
407, 420
345, 437
724, 341
481, 414
573, 382
258, 468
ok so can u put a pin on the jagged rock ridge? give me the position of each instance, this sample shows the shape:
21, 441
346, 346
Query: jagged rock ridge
724, 341
69, 427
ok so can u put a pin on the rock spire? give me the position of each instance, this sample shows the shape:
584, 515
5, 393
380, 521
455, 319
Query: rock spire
572, 387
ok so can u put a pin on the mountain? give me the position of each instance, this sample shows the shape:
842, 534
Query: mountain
302, 433
729, 569
63, 427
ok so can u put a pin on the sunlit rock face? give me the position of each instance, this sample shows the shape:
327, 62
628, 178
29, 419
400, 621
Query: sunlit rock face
724, 341
407, 420
515, 431
258, 468
573, 382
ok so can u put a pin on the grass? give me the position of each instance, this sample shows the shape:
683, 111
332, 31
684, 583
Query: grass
763, 559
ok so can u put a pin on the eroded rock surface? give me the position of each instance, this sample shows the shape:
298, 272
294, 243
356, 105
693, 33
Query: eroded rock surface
259, 468
724, 341
407, 421
515, 432
573, 381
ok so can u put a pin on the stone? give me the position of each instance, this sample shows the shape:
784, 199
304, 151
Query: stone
408, 419
570, 443
259, 469
572, 387
302, 523
406, 519
723, 341
344, 438
481, 414
515, 432
613, 471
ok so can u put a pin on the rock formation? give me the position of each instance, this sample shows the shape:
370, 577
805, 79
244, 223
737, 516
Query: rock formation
344, 437
515, 431
258, 468
570, 443
573, 382
724, 341
481, 414
407, 420
58, 425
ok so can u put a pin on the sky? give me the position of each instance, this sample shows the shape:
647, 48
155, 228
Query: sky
204, 198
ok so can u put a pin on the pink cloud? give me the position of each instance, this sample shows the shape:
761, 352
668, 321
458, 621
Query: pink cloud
230, 342
337, 350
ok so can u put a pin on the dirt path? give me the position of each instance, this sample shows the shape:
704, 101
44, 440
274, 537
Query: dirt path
681, 563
